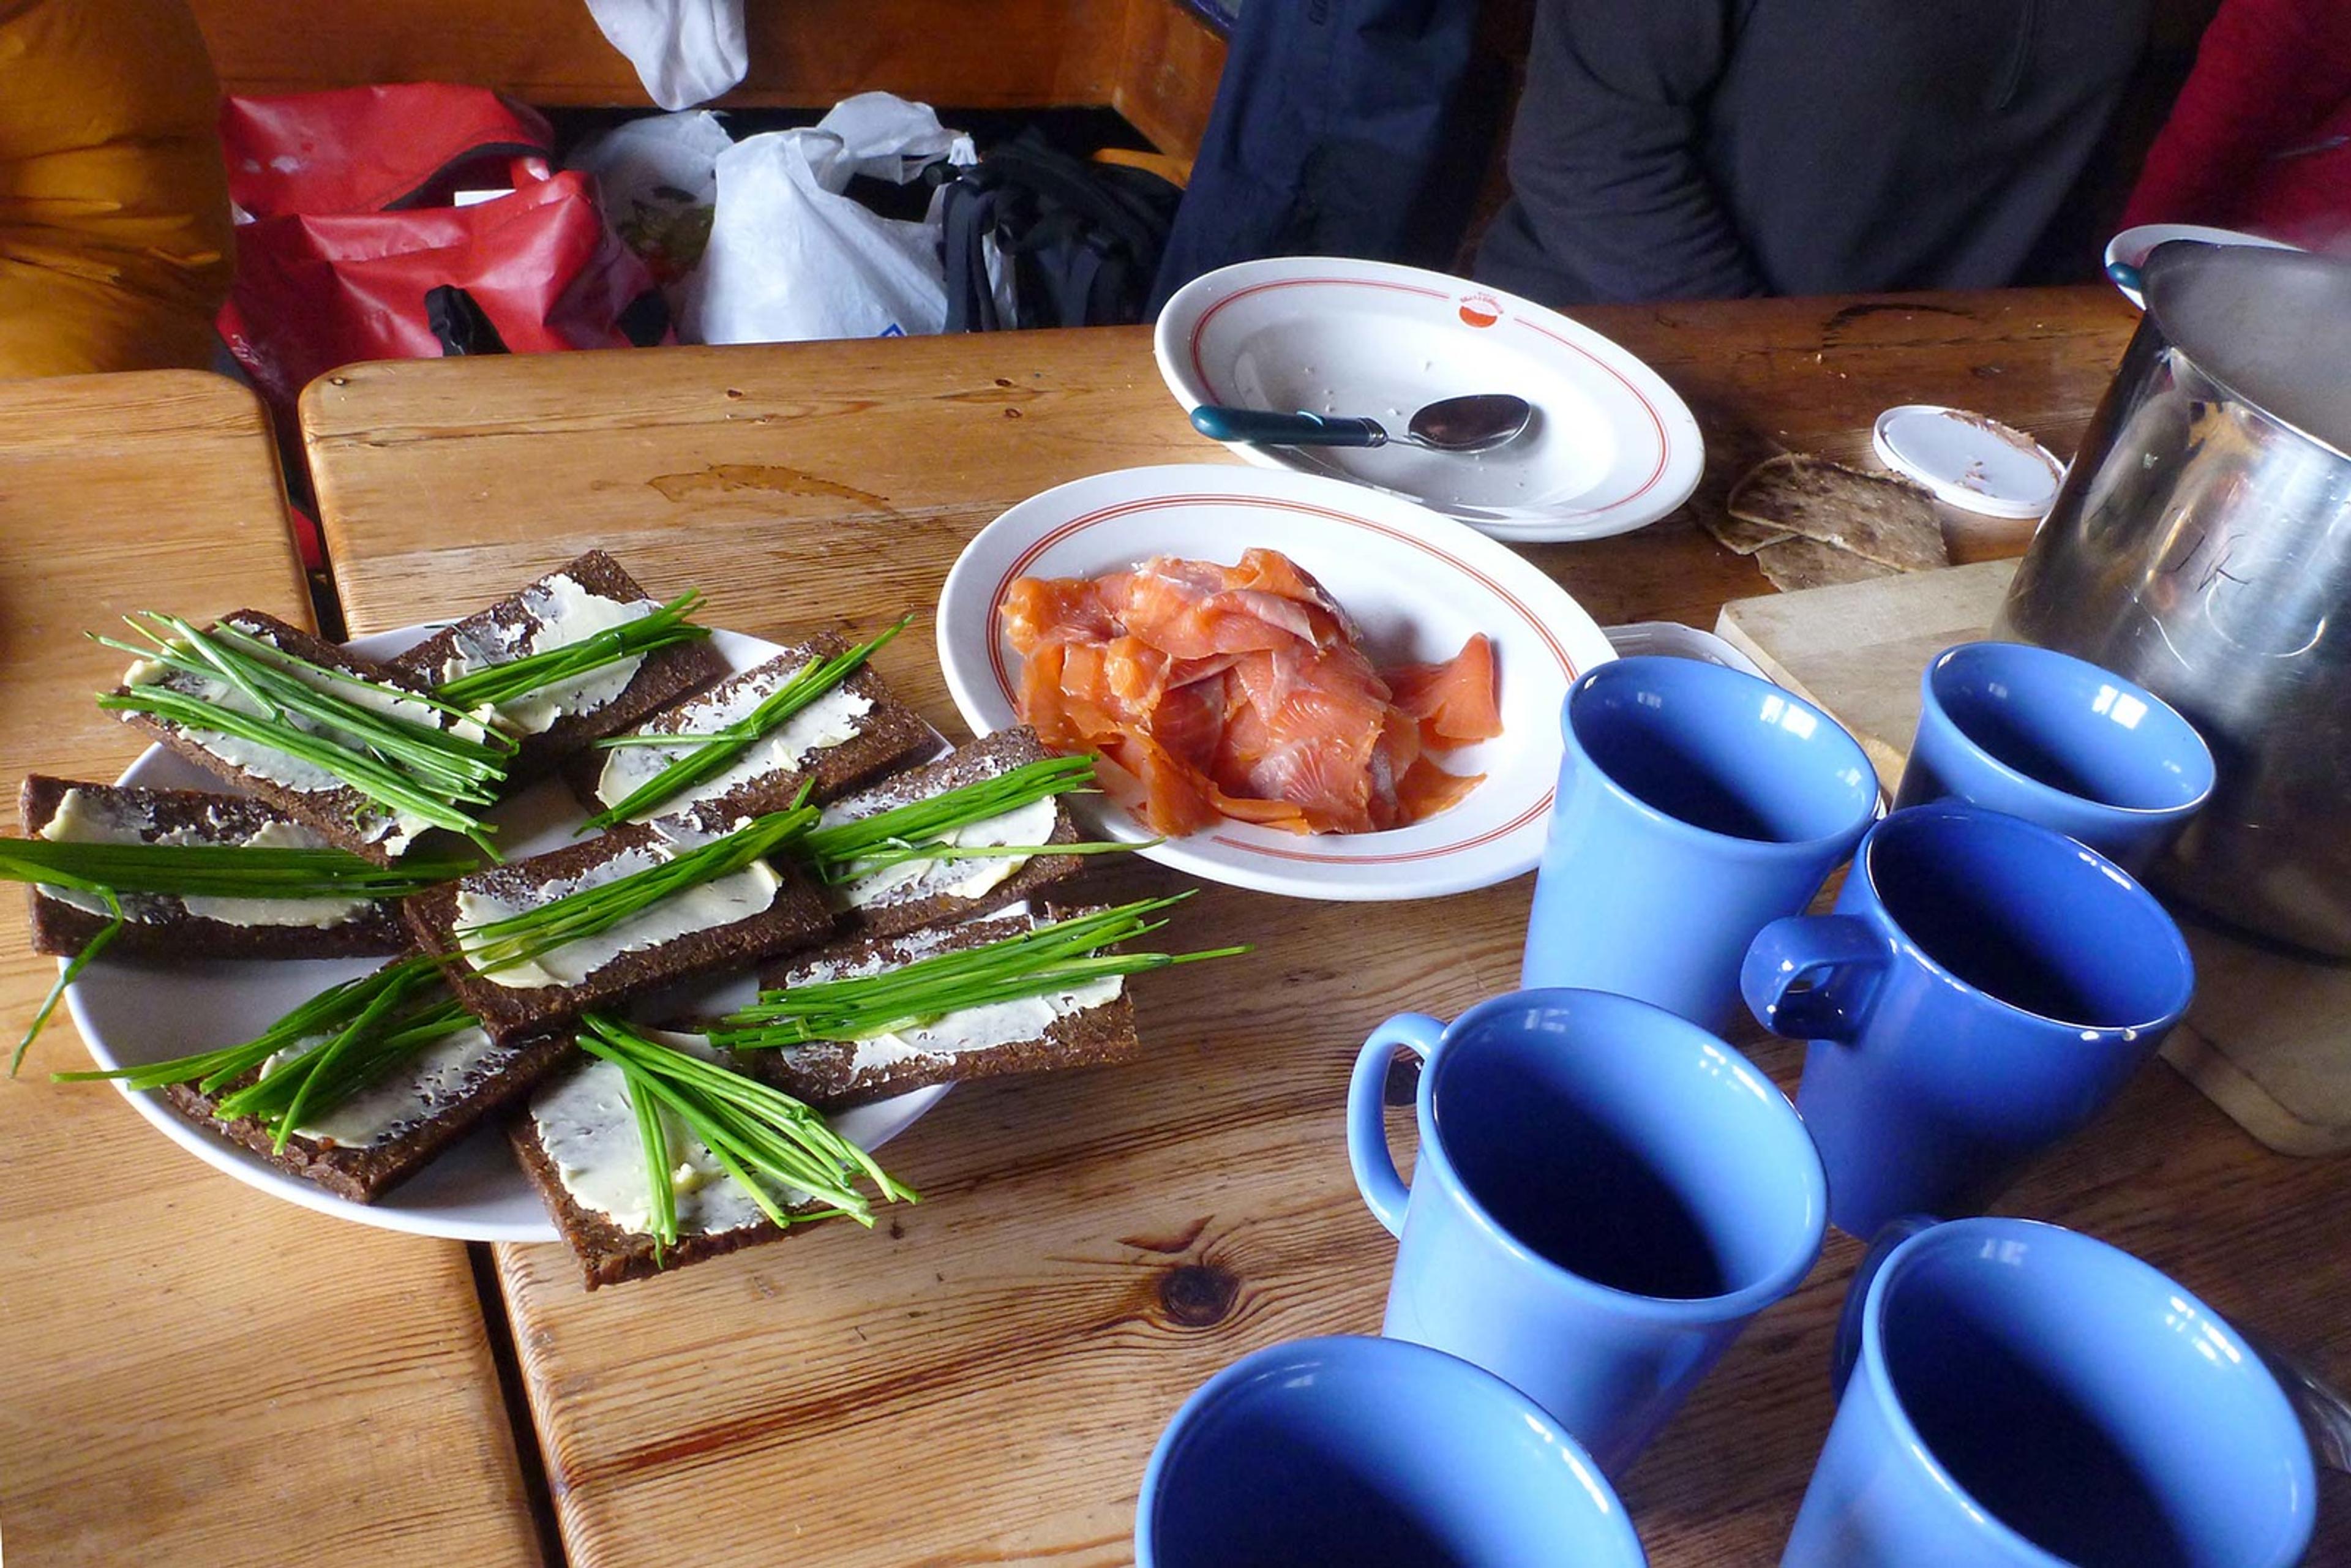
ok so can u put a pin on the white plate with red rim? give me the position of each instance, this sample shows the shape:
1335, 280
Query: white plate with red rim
1417, 586
1611, 448
138, 1010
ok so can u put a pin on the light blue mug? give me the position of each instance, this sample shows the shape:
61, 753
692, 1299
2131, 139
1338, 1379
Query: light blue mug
2017, 1396
1375, 1454
2058, 741
1984, 988
1605, 1195
1695, 803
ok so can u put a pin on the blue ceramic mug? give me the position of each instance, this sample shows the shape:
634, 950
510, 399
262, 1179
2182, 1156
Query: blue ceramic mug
2020, 1396
2058, 741
1371, 1452
1605, 1194
1695, 803
1982, 988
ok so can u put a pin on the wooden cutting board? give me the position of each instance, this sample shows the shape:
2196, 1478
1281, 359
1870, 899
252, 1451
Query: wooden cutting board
2268, 1037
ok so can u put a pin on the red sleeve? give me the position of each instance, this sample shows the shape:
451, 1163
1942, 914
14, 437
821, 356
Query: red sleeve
2267, 72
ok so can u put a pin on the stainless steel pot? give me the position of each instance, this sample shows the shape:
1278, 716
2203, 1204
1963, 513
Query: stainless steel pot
2202, 546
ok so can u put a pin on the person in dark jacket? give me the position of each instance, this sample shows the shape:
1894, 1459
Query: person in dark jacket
1708, 149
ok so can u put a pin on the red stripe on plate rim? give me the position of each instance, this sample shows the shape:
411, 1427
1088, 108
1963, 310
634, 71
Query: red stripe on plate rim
1075, 525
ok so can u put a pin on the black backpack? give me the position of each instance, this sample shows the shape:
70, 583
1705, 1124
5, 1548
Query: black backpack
1084, 239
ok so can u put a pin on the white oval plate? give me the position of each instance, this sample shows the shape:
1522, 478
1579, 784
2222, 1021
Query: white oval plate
1417, 585
136, 1011
1611, 448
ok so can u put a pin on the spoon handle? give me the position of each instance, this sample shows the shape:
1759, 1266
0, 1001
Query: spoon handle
1259, 427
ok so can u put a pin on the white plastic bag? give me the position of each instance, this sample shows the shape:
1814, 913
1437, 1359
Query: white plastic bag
790, 257
685, 51
657, 181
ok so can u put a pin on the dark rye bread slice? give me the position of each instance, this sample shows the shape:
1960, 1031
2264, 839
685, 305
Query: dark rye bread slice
365, 1174
608, 1254
796, 919
159, 926
336, 813
988, 757
889, 736
826, 1073
664, 674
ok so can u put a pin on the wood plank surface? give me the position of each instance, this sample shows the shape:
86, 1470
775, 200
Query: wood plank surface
805, 54
198, 1375
982, 1379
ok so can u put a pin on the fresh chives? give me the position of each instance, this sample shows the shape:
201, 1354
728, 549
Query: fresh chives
325, 1014
322, 1077
73, 967
501, 684
517, 939
762, 1137
432, 772
913, 831
1059, 955
220, 871
711, 754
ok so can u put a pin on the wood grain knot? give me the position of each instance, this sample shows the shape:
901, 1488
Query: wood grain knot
1198, 1295
1012, 414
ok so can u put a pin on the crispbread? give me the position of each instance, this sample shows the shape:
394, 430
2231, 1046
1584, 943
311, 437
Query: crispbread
1794, 563
366, 1173
796, 919
608, 1254
664, 674
987, 757
1878, 518
160, 926
334, 813
826, 1073
889, 735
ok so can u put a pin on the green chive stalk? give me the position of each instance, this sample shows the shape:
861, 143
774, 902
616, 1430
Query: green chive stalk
1056, 956
763, 1138
426, 771
840, 852
324, 1015
502, 684
333, 1045
705, 756
517, 939
72, 969
220, 871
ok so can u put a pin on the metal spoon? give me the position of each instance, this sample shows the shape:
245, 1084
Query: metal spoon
1478, 423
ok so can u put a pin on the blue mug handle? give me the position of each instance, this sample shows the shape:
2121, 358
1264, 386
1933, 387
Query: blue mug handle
1894, 1233
1385, 1192
1819, 948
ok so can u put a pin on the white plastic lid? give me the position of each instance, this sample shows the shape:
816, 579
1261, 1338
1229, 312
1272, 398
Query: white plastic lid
1969, 461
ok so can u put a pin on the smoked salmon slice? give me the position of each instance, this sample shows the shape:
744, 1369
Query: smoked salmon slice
1241, 692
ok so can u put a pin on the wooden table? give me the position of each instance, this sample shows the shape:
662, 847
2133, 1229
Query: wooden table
982, 1379
197, 1375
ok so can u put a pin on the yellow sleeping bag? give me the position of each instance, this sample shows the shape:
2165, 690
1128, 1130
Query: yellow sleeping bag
114, 219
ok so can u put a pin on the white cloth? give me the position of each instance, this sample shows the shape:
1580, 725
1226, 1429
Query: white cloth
685, 51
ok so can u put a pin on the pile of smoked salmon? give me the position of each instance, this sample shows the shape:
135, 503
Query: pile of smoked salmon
1238, 691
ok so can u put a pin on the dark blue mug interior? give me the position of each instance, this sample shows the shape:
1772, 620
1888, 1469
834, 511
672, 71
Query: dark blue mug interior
1721, 750
2067, 724
2089, 1405
1370, 1452
1626, 1146
2029, 917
